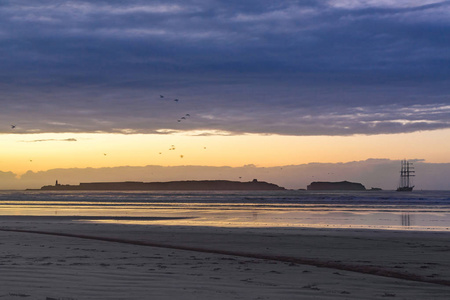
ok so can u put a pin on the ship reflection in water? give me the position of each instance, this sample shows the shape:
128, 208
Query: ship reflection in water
406, 220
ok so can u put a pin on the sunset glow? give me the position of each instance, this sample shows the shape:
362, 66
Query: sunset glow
40, 152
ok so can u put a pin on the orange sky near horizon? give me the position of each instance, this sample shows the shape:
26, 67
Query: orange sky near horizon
40, 152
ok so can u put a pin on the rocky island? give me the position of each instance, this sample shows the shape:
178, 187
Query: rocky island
189, 185
335, 186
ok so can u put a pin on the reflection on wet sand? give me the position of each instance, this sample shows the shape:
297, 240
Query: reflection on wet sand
406, 220
241, 215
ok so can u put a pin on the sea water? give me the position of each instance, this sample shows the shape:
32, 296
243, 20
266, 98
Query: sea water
387, 210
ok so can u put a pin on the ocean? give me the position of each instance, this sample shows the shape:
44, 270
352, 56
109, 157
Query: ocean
385, 210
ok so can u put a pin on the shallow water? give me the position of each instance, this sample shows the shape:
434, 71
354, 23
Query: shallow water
419, 210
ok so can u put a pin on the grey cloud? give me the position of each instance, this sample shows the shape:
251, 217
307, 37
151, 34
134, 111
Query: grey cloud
290, 67
9, 181
241, 111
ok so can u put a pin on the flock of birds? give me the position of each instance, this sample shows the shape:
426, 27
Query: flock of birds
172, 147
185, 117
181, 119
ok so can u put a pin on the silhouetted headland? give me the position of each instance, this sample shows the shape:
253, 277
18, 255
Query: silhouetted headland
335, 186
190, 185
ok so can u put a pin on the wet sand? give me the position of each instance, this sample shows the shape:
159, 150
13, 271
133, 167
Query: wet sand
70, 258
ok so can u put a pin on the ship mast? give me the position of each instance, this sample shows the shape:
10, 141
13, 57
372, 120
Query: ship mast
407, 171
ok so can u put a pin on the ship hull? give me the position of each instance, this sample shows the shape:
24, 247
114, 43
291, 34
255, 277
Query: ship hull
405, 189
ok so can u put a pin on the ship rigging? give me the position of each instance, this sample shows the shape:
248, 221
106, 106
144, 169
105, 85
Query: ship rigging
406, 172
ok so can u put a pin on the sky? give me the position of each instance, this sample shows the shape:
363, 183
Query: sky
107, 84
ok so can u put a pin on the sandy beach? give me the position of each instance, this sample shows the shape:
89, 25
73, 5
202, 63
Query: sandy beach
73, 258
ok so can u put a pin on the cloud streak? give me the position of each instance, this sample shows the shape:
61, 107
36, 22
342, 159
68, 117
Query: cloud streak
50, 140
293, 67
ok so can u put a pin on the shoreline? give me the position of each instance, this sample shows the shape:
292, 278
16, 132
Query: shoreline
199, 222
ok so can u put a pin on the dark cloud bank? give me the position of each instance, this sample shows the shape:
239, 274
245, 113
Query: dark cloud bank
283, 67
382, 173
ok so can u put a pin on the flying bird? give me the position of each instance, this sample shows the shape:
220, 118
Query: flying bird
188, 115
13, 126
176, 100
161, 96
183, 118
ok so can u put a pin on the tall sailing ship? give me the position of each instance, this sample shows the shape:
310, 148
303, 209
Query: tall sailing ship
406, 172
